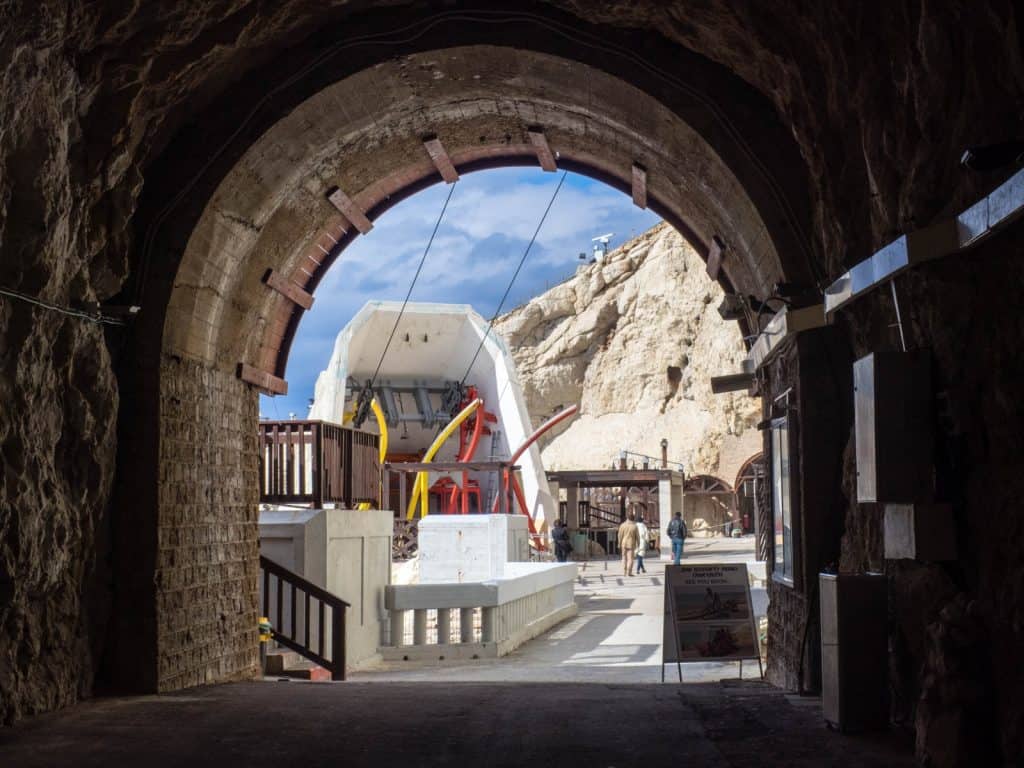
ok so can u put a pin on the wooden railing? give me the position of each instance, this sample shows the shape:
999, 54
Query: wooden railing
300, 625
312, 462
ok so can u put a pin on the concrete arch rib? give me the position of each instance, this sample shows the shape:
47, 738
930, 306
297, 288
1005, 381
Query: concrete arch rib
364, 135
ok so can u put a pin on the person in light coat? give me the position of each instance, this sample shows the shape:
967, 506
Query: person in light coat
628, 540
641, 548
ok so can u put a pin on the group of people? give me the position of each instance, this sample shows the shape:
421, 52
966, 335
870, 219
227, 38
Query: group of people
634, 541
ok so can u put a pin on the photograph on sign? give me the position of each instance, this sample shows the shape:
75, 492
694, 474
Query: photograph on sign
716, 642
708, 614
714, 604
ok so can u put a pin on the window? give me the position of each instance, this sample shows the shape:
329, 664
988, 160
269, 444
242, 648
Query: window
782, 503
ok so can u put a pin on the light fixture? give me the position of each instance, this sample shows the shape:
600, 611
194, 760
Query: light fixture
993, 157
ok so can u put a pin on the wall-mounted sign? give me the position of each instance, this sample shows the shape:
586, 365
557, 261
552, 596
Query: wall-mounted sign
708, 615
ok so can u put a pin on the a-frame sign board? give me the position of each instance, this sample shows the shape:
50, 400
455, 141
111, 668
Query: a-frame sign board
708, 616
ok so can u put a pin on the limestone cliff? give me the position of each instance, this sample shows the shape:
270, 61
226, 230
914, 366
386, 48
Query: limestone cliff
634, 339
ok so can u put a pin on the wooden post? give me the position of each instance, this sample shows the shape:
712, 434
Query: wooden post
337, 643
318, 466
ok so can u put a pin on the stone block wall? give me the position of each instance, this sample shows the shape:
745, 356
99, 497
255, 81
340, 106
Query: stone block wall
208, 558
787, 615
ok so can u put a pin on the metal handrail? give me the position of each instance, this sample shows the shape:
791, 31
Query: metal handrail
598, 512
300, 587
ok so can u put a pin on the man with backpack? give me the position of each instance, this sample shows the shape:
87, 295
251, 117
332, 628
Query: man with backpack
677, 533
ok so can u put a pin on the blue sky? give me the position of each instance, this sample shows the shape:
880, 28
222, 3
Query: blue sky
490, 219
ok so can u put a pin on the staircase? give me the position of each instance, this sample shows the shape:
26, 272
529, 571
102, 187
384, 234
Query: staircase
600, 516
305, 619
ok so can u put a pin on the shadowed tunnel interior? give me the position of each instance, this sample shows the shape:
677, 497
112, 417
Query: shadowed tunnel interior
177, 157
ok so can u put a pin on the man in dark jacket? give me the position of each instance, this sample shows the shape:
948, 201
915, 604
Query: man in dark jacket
560, 538
677, 533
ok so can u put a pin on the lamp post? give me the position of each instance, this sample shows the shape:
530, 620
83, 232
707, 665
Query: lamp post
664, 453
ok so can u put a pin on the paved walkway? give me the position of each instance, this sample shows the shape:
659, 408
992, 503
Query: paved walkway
616, 638
565, 699
483, 725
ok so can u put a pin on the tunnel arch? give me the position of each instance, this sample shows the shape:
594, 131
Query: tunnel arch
271, 212
247, 196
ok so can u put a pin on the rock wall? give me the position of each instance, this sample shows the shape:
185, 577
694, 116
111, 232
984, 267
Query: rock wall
58, 405
634, 339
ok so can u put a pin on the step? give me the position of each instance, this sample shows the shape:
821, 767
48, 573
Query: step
306, 670
279, 661
284, 663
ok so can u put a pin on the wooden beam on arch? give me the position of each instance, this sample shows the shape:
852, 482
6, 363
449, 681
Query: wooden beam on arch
716, 253
290, 290
545, 156
639, 186
267, 382
439, 156
350, 210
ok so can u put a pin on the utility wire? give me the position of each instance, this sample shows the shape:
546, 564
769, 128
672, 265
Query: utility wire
412, 285
501, 303
97, 318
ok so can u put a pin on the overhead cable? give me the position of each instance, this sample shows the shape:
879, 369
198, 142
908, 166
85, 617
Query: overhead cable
97, 317
515, 274
412, 285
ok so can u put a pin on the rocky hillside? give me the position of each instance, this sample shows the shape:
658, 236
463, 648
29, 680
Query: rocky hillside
634, 339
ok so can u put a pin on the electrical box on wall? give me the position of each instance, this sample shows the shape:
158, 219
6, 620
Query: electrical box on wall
919, 532
854, 650
892, 426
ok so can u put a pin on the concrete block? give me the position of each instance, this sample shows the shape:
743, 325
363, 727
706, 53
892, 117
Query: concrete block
345, 551
470, 548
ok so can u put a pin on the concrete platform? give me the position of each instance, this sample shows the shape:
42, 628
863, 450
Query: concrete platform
465, 724
615, 638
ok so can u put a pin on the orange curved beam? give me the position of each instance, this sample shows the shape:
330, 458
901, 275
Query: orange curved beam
558, 418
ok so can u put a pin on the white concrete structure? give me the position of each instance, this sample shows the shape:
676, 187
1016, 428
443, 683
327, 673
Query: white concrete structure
495, 616
469, 548
348, 553
435, 344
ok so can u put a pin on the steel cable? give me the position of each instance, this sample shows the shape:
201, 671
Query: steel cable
412, 285
515, 274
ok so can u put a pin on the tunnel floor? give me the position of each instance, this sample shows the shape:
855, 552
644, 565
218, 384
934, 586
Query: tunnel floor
734, 724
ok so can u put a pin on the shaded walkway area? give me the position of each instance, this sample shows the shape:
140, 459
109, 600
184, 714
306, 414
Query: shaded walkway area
391, 724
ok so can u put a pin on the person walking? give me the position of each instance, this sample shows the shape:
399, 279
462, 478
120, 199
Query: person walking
629, 537
677, 533
641, 547
561, 541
